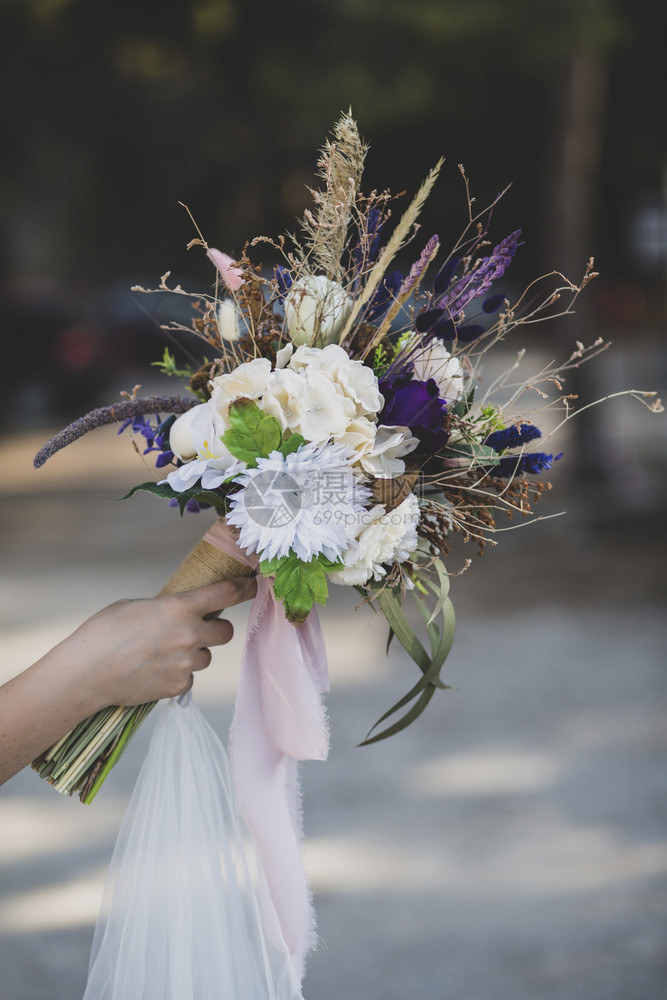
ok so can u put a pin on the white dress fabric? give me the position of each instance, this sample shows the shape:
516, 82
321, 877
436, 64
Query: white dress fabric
186, 913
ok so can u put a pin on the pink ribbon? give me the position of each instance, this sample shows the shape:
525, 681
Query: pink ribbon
279, 719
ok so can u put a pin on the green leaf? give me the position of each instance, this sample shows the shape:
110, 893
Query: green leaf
317, 582
462, 406
252, 434
289, 579
390, 605
404, 721
291, 444
168, 366
299, 584
166, 492
443, 592
158, 490
268, 567
440, 637
471, 451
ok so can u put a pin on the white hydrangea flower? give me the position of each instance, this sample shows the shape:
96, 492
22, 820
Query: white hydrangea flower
326, 412
283, 355
307, 503
283, 398
316, 309
435, 361
380, 449
359, 436
249, 380
354, 379
384, 538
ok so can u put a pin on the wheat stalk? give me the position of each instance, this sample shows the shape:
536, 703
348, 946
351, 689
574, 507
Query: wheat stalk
397, 240
340, 166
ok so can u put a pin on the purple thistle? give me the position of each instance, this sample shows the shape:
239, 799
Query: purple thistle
532, 463
127, 409
512, 437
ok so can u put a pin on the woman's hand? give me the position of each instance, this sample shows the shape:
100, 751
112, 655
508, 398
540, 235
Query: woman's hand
144, 650
132, 652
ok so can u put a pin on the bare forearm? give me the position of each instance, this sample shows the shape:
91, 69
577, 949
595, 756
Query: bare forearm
37, 708
127, 654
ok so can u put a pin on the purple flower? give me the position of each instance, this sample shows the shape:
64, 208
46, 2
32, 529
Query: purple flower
419, 266
156, 437
451, 301
513, 437
384, 297
532, 463
283, 280
417, 405
192, 506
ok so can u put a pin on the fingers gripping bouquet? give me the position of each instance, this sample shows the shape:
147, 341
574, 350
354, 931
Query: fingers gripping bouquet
342, 428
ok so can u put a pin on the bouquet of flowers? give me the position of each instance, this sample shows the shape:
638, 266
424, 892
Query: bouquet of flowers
340, 425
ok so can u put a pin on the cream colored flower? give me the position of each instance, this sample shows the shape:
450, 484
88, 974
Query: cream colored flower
355, 379
359, 436
283, 398
197, 434
249, 380
385, 459
434, 361
315, 310
283, 355
326, 411
384, 538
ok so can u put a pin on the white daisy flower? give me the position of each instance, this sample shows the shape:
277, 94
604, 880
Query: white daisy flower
308, 502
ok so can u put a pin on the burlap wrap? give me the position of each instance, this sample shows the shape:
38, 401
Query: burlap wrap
204, 565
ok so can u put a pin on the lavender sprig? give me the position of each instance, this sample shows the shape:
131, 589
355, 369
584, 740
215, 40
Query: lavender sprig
439, 318
418, 268
490, 269
108, 415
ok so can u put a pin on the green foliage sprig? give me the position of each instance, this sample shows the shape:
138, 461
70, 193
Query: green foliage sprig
299, 584
440, 623
254, 434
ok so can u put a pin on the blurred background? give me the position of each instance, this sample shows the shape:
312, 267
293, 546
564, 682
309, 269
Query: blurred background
514, 842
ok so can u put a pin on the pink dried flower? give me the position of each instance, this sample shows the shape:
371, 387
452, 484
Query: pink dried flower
230, 273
